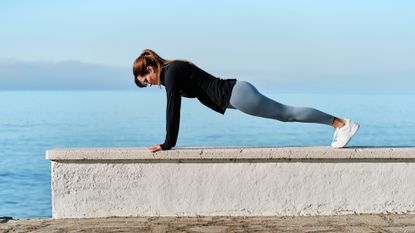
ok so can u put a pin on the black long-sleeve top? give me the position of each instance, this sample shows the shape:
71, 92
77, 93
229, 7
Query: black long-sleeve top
182, 78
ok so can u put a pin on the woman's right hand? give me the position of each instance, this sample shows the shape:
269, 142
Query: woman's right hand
155, 148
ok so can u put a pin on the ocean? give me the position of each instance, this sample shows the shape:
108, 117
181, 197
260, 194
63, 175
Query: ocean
32, 122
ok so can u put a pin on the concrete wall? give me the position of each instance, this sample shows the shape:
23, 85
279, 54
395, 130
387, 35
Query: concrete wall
101, 182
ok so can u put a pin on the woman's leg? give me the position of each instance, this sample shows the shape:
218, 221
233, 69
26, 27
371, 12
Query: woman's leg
246, 98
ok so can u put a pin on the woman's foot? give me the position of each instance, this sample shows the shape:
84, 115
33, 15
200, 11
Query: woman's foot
342, 135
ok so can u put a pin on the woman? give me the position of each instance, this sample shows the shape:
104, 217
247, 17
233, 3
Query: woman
182, 78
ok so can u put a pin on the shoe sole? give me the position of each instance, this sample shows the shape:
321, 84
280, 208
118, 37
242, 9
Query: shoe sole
353, 132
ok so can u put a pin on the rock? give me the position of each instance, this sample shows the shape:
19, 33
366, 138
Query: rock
4, 219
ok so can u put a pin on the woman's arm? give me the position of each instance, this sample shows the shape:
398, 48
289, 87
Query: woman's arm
172, 116
172, 85
172, 121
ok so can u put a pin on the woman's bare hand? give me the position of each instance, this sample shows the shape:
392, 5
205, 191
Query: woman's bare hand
155, 148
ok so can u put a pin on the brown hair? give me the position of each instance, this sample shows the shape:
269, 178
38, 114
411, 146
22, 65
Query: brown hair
148, 58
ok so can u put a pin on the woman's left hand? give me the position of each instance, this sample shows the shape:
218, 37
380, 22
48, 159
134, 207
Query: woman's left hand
155, 148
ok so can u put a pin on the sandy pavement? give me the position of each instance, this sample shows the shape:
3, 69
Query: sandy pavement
342, 223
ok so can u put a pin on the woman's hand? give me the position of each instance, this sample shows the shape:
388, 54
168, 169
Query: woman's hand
155, 148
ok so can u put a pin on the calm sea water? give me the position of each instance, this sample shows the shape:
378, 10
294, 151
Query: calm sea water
33, 121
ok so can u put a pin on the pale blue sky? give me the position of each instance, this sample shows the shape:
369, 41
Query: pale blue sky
307, 43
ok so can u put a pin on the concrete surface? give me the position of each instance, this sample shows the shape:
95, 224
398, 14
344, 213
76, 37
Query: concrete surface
320, 224
105, 182
232, 153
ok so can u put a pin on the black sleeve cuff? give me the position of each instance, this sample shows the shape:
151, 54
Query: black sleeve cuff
165, 147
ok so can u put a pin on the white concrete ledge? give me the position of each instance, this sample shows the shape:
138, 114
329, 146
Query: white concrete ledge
233, 154
102, 182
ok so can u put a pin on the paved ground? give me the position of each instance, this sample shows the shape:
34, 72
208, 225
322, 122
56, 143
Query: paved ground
344, 223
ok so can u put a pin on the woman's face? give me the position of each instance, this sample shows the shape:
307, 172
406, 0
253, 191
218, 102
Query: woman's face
150, 78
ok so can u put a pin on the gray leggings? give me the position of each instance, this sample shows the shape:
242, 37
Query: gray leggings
246, 98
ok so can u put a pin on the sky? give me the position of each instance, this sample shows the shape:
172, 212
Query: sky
292, 45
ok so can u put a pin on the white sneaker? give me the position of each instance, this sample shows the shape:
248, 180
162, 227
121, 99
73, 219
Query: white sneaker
343, 135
